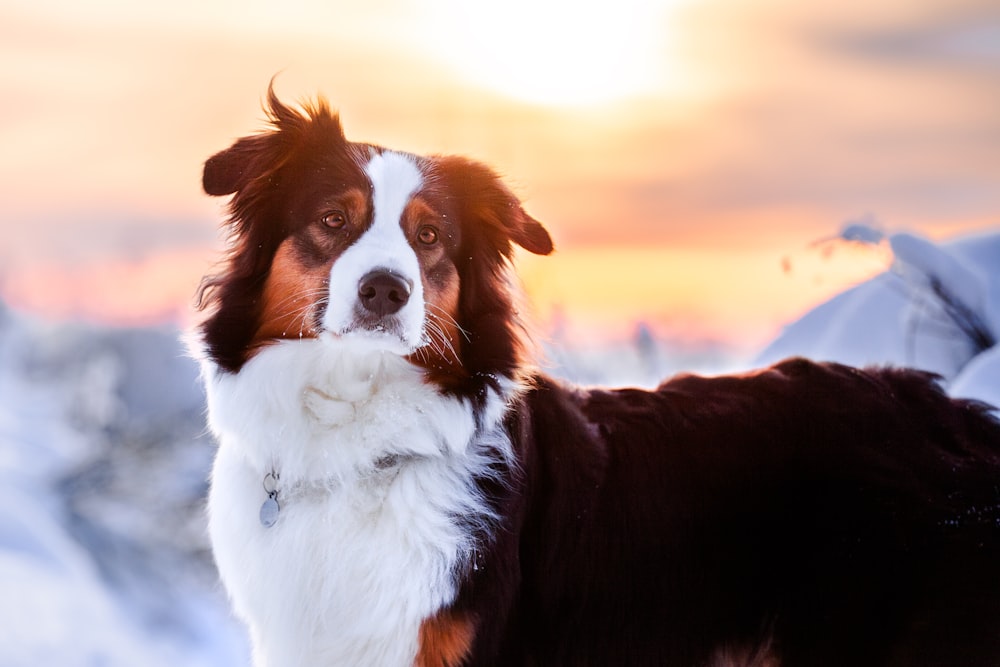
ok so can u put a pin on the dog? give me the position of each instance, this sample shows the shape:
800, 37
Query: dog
397, 484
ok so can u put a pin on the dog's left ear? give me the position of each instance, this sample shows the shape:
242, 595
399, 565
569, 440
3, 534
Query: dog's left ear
530, 235
492, 209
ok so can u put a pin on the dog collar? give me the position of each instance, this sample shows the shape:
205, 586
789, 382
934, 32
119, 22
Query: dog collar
270, 509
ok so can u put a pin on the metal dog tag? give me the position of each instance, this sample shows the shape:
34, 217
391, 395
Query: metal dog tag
269, 512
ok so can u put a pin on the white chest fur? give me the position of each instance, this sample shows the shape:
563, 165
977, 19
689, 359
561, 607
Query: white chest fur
363, 550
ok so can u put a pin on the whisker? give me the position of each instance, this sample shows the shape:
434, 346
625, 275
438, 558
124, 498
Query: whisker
438, 338
310, 294
445, 315
313, 297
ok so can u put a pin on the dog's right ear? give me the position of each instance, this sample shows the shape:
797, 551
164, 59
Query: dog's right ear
260, 156
230, 170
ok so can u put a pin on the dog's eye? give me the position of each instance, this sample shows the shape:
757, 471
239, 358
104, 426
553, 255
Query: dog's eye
334, 219
427, 235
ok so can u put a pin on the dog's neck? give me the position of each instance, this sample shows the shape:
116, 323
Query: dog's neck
319, 413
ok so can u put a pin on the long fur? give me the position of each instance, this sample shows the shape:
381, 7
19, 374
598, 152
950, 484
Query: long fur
380, 512
441, 503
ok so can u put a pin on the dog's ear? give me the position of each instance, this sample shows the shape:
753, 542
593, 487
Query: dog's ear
261, 155
230, 170
492, 208
530, 235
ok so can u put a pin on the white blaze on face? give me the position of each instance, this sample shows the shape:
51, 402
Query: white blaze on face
394, 178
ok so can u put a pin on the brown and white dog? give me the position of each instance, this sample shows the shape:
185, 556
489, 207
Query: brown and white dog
396, 485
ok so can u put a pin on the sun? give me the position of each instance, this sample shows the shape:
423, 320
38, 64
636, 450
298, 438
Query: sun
554, 52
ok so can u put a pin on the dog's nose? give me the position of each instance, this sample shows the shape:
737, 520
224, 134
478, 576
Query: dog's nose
383, 293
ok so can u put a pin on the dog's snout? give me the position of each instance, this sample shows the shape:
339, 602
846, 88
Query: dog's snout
383, 293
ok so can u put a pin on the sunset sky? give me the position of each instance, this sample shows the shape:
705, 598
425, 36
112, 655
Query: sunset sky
685, 154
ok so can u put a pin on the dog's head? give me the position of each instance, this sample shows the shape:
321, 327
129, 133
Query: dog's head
356, 243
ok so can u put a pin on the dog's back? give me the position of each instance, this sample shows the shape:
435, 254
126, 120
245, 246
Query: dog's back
802, 515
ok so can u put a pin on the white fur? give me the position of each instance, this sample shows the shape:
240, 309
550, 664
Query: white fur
361, 553
394, 177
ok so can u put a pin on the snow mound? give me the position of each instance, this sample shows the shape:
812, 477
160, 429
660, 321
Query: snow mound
937, 308
980, 379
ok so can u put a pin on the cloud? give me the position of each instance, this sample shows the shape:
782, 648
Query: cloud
965, 39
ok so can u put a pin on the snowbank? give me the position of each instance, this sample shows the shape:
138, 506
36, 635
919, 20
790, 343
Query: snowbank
980, 379
937, 308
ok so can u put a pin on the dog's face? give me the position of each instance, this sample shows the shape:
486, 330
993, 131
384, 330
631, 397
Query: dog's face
387, 250
369, 256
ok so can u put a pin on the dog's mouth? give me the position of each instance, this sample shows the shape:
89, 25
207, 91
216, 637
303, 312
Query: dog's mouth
378, 333
375, 329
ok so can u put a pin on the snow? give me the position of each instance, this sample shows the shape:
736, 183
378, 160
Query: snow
102, 553
937, 308
104, 457
980, 379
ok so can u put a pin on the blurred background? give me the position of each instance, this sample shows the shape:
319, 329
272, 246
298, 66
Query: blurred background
711, 171
684, 153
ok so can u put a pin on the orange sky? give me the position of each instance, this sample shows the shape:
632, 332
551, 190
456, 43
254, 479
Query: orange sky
681, 152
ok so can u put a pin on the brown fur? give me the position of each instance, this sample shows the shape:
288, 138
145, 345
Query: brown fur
445, 640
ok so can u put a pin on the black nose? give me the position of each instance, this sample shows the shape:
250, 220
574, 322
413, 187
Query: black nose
382, 292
